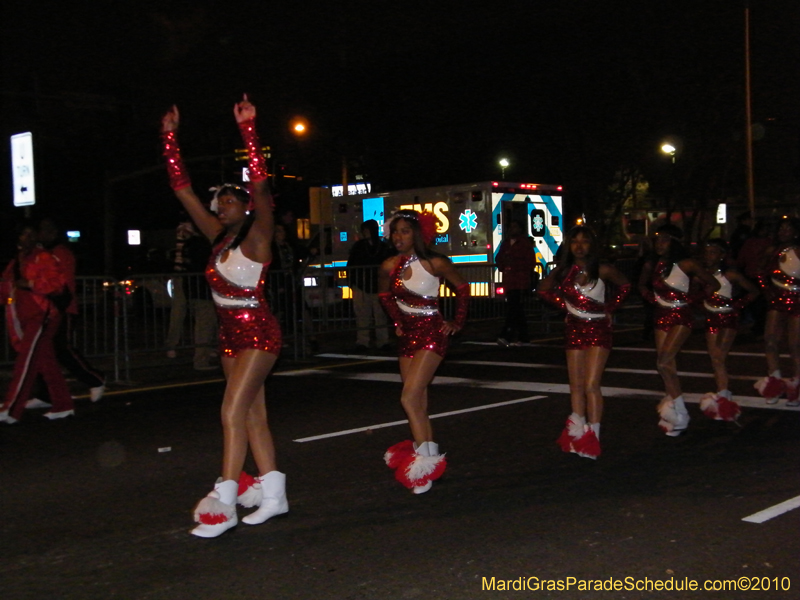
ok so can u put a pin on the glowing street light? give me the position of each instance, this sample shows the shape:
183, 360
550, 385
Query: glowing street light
669, 149
298, 126
503, 164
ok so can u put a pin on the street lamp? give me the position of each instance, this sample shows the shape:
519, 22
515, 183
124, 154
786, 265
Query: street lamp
503, 164
669, 149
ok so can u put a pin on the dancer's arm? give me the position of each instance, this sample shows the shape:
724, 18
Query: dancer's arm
622, 287
549, 289
444, 268
385, 295
748, 286
694, 269
259, 238
179, 177
644, 282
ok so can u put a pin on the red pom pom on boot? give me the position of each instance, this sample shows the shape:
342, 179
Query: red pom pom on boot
249, 494
771, 388
419, 470
573, 429
587, 445
398, 453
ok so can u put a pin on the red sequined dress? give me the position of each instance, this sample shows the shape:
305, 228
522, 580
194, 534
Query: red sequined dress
722, 312
417, 299
588, 322
781, 282
237, 286
671, 296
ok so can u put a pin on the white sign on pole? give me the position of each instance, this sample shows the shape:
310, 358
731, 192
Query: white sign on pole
22, 169
722, 213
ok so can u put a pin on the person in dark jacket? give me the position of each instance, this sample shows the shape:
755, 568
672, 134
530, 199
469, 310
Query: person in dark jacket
366, 256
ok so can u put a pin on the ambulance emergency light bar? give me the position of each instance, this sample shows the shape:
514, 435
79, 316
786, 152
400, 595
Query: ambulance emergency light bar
528, 186
22, 169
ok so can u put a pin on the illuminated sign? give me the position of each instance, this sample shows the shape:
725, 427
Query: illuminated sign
722, 213
22, 169
352, 189
468, 221
134, 237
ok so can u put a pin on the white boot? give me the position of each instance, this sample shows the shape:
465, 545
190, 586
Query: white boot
216, 513
273, 498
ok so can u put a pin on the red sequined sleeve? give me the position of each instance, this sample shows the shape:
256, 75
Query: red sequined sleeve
553, 297
258, 163
462, 304
178, 176
390, 306
618, 298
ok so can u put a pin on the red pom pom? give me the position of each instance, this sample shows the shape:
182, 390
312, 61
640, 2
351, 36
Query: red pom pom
565, 440
245, 481
211, 518
427, 227
727, 409
398, 453
587, 445
417, 470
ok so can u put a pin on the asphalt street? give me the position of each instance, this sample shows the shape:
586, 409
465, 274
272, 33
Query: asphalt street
99, 505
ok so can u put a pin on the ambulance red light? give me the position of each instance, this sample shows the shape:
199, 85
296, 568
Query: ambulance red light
559, 188
500, 291
494, 184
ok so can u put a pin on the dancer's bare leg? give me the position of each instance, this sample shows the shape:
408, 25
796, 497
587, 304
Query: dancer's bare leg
576, 367
772, 337
719, 346
417, 373
596, 358
244, 413
793, 327
668, 344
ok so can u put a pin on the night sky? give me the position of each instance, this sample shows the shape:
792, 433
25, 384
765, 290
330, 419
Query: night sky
414, 94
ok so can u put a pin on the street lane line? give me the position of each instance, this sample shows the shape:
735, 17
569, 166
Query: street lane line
489, 363
436, 416
624, 348
561, 388
773, 511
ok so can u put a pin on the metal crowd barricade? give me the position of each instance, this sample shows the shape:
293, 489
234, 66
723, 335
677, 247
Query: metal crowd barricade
123, 320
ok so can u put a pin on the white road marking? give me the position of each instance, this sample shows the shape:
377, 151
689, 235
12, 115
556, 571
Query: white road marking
436, 416
559, 388
773, 511
628, 349
489, 363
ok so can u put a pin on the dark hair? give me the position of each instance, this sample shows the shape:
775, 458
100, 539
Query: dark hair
242, 195
719, 243
794, 223
592, 259
412, 217
677, 252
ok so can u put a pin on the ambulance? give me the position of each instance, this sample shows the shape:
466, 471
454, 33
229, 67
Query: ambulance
470, 219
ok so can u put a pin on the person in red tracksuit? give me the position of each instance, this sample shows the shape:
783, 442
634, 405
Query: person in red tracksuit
516, 260
33, 320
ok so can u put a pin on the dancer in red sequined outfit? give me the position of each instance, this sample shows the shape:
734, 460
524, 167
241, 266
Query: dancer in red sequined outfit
666, 284
780, 282
582, 286
408, 287
249, 335
722, 324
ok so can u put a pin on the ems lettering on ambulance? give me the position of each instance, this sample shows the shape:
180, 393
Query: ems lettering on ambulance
544, 223
439, 210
